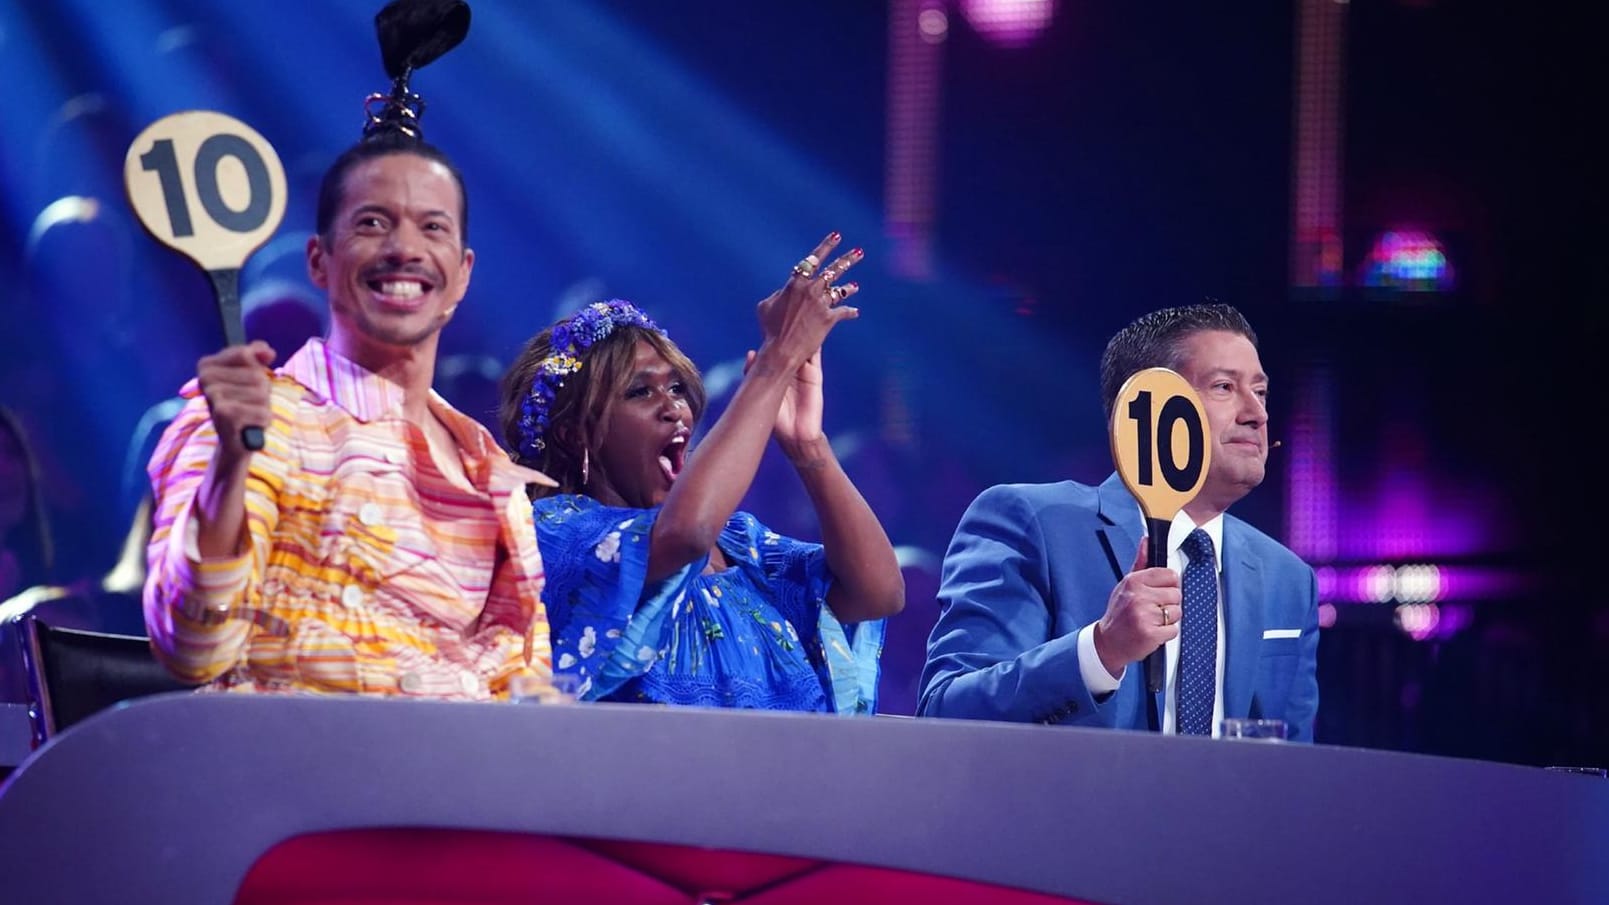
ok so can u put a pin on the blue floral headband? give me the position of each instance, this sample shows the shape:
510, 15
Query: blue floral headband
569, 342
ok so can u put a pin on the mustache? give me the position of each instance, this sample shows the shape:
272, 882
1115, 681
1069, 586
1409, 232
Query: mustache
382, 271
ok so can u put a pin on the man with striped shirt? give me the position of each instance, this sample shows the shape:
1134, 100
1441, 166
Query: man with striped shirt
380, 541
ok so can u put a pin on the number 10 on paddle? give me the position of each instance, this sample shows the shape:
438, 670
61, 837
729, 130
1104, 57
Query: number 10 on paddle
1162, 449
209, 187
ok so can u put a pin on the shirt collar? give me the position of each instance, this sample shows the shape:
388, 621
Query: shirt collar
328, 374
1183, 525
367, 397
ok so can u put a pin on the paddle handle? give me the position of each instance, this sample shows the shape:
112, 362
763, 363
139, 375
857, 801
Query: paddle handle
226, 289
1156, 557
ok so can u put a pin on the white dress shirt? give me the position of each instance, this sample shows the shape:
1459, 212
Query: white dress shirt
1100, 682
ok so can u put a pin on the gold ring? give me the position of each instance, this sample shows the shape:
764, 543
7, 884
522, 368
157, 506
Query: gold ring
806, 266
1164, 614
837, 294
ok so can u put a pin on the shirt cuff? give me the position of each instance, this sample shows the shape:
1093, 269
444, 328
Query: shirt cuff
215, 583
1096, 678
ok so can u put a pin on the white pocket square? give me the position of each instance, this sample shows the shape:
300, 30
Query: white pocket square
1281, 633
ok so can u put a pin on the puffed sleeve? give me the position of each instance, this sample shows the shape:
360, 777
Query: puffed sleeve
608, 622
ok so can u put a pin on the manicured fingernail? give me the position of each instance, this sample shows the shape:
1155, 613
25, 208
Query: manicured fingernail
833, 236
852, 287
859, 253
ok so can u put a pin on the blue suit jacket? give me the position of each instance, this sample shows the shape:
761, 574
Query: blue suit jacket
1031, 564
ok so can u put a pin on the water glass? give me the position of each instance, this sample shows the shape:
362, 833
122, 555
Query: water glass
1256, 730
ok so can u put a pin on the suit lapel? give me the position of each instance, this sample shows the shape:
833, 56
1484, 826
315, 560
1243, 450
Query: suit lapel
1121, 536
1121, 532
1243, 617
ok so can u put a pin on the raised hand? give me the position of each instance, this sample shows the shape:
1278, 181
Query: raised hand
796, 318
799, 415
781, 394
235, 384
798, 423
1142, 614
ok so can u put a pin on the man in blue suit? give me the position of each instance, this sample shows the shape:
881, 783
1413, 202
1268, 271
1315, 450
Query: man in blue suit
1048, 605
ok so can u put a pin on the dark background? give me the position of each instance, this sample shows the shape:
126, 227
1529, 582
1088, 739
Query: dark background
1132, 156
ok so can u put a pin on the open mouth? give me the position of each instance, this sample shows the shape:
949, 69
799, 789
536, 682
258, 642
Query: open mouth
399, 292
673, 457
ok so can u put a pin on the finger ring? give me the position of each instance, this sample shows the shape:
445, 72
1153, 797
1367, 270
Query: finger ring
837, 294
1164, 614
807, 266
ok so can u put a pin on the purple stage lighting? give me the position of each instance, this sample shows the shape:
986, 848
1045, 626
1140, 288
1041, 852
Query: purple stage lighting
1408, 260
1009, 23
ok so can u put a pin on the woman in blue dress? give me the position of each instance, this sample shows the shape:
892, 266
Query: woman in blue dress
658, 589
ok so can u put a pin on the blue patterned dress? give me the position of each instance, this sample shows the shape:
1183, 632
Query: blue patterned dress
757, 635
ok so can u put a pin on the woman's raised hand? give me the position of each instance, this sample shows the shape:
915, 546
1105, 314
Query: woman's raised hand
798, 423
795, 319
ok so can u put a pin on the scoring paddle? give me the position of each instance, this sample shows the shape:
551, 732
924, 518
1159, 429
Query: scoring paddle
209, 187
1162, 447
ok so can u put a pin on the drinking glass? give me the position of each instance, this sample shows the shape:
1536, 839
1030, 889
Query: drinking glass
1257, 730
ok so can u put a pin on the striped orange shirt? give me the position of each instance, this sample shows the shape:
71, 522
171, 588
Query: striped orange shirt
368, 569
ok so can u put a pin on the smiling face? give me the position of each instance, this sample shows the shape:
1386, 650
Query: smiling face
646, 430
1227, 374
393, 260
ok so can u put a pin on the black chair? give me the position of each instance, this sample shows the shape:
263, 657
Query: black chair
73, 673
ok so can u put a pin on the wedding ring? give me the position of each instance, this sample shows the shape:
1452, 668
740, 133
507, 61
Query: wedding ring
807, 266
1164, 615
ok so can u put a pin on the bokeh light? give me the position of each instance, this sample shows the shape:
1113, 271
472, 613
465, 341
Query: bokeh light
1408, 260
1377, 584
1418, 584
1010, 23
1418, 620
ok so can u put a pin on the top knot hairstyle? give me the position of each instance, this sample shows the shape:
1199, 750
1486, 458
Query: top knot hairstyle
412, 34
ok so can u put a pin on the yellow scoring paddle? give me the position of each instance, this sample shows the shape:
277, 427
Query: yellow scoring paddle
1162, 447
209, 187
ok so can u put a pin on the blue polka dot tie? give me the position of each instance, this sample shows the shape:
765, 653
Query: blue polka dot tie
1198, 637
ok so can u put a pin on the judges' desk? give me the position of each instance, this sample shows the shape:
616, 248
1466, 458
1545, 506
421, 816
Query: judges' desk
172, 800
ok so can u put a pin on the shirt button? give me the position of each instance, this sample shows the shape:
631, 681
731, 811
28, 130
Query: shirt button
351, 596
410, 683
470, 683
369, 514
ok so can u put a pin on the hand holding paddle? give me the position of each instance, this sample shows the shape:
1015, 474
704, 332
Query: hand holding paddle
235, 177
1162, 449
